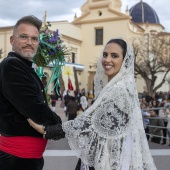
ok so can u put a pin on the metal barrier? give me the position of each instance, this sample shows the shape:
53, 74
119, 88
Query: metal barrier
156, 108
159, 127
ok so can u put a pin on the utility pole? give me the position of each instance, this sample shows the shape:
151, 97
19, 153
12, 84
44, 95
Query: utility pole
142, 11
45, 18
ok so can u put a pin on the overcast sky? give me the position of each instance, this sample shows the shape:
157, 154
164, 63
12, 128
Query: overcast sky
57, 10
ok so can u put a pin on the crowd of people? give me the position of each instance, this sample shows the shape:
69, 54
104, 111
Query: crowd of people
75, 102
155, 111
156, 116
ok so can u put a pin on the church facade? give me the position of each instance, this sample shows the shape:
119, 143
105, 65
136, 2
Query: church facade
100, 21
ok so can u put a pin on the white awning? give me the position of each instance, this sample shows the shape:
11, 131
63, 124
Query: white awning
78, 67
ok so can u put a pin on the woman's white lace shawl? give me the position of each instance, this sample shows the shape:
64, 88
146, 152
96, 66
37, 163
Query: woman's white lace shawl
109, 135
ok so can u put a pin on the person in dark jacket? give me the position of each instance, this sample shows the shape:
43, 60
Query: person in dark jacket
22, 96
66, 100
53, 101
72, 108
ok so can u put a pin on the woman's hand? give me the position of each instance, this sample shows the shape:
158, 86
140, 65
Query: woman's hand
37, 127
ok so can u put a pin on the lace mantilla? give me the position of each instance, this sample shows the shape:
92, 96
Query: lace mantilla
109, 135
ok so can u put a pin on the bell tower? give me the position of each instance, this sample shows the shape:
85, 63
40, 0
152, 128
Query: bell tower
116, 5
113, 4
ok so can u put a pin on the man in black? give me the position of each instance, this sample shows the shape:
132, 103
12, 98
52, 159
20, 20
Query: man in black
22, 96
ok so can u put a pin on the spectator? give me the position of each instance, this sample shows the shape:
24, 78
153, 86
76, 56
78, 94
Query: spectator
83, 103
66, 100
53, 101
155, 131
146, 121
162, 113
72, 108
167, 114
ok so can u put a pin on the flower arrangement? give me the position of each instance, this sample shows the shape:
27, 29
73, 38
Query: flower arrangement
51, 51
51, 48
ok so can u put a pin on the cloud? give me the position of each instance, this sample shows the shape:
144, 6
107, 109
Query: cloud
12, 10
57, 10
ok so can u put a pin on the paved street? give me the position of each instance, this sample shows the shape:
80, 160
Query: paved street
58, 155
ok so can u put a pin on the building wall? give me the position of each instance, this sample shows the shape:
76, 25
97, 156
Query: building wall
5, 33
79, 36
112, 28
67, 29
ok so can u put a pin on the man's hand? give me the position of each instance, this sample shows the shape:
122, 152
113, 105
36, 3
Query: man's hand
37, 127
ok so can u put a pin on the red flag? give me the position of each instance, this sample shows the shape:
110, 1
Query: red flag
70, 87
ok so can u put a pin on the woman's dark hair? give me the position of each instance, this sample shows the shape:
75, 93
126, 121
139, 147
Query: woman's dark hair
30, 19
121, 43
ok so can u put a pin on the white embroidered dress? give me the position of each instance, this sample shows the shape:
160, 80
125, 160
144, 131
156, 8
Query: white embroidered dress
109, 135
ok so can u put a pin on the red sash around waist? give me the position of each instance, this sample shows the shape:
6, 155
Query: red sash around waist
23, 146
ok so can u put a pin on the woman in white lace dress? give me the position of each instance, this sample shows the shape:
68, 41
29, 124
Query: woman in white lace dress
109, 135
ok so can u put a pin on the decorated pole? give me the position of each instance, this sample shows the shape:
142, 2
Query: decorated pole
51, 51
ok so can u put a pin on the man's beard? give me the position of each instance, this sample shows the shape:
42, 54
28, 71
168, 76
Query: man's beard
26, 54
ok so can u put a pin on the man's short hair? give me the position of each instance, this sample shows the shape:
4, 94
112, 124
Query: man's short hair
30, 19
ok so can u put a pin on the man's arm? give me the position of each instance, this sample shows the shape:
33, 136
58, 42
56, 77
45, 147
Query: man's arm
20, 88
